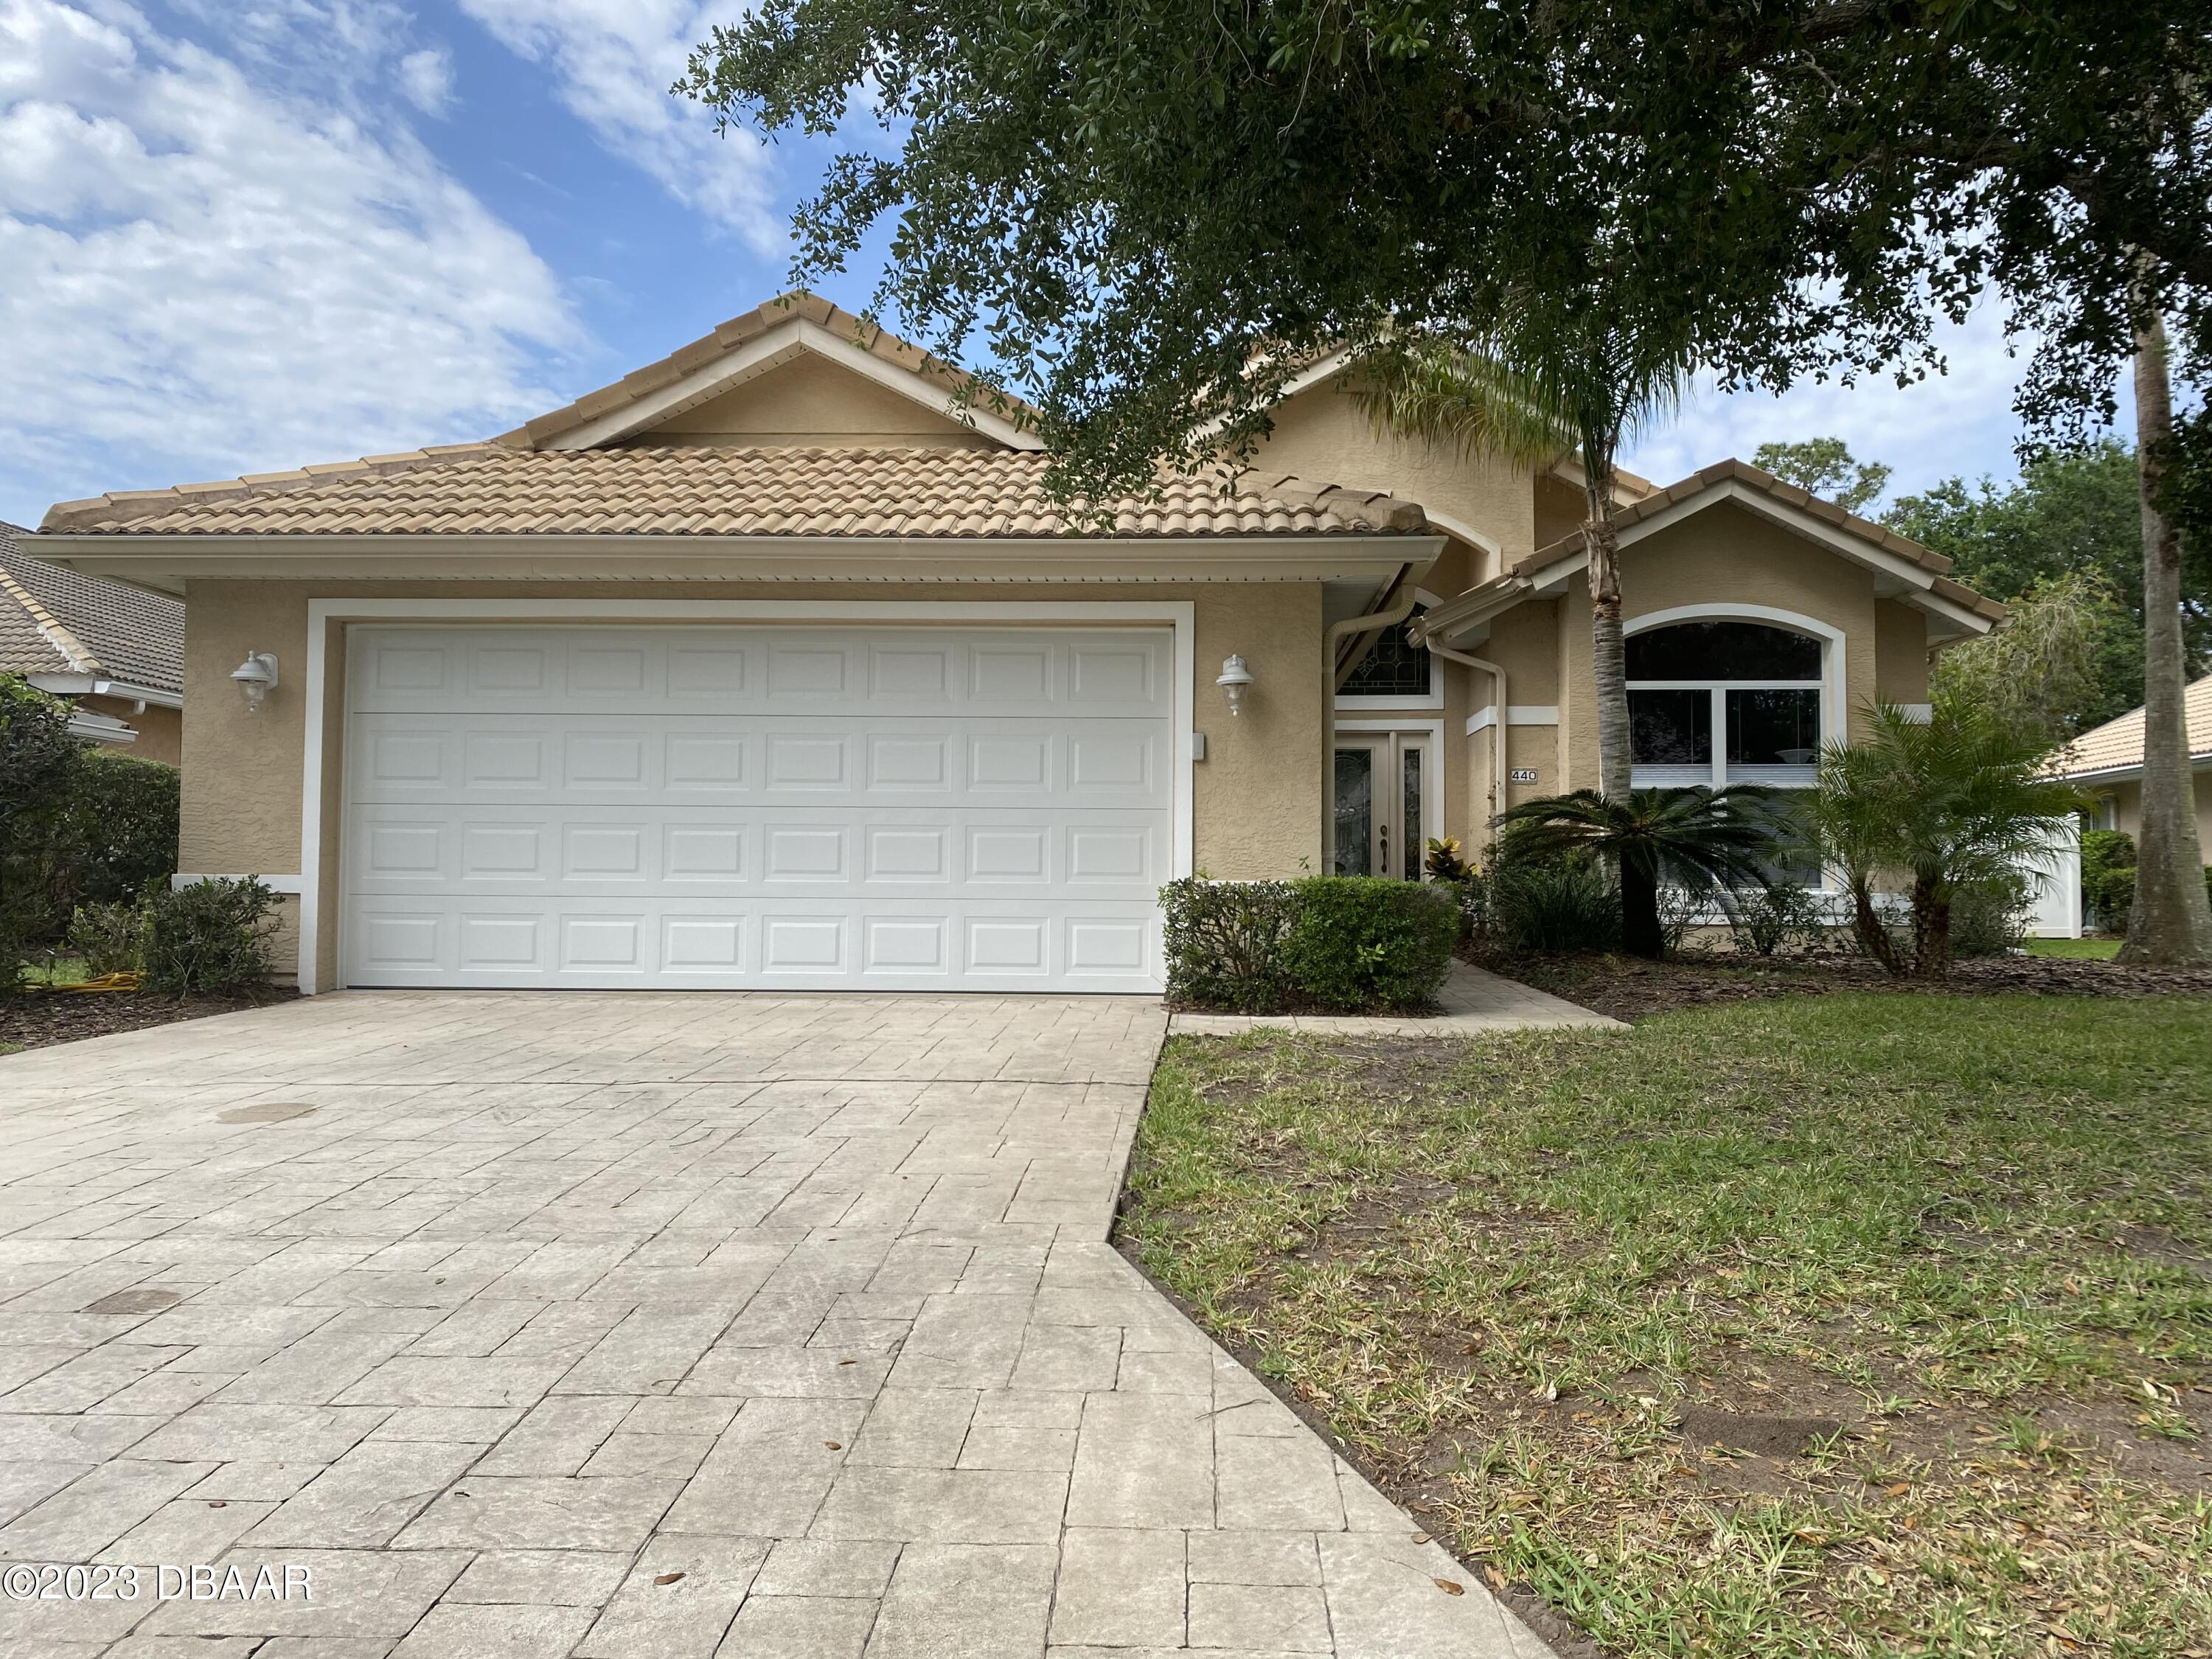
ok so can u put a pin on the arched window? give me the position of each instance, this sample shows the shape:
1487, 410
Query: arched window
1721, 699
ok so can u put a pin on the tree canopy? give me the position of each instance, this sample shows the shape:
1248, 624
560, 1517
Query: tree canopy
2072, 513
1146, 218
1826, 467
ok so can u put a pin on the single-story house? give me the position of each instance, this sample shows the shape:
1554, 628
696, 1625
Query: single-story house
2107, 761
773, 664
114, 653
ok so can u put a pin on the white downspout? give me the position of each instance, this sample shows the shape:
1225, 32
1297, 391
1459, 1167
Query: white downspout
1374, 623
1497, 732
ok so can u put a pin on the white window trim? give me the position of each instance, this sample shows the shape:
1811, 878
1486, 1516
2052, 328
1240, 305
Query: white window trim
1431, 733
1834, 713
1179, 614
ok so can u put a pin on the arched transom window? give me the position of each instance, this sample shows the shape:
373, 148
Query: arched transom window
1720, 700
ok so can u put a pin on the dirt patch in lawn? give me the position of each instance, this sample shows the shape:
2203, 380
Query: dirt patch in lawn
36, 1020
1630, 989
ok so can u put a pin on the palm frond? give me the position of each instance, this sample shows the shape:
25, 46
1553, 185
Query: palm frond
1471, 401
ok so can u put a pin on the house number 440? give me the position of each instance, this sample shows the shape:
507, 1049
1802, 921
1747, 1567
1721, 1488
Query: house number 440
1524, 775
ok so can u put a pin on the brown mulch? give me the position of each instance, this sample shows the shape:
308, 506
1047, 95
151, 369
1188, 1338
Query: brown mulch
36, 1019
1630, 989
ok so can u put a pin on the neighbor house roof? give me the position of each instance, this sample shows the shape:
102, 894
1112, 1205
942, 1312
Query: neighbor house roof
2117, 746
485, 490
54, 621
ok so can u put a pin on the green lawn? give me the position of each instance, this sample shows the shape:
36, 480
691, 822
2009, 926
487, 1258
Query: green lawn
1975, 1231
2082, 950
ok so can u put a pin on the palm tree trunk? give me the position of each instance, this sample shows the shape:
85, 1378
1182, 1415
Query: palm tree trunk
1873, 936
1932, 931
1608, 654
1640, 933
2171, 922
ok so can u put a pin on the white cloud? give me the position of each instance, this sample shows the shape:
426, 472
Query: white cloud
614, 61
1959, 423
206, 276
426, 79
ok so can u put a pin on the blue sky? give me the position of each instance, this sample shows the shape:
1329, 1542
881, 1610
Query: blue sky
245, 235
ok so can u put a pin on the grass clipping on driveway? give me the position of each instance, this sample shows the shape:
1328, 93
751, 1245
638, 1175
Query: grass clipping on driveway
1855, 1324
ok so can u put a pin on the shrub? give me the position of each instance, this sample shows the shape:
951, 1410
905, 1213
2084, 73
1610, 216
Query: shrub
1224, 942
1351, 944
2105, 849
2108, 878
1764, 921
110, 938
1990, 918
1366, 943
2113, 896
1446, 860
1554, 906
118, 831
211, 937
38, 760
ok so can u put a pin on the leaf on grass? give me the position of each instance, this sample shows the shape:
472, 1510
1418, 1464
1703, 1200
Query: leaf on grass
1449, 1587
1496, 1578
666, 1577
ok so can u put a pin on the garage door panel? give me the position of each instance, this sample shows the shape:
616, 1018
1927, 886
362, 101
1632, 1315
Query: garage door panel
607, 942
800, 669
741, 806
743, 758
493, 847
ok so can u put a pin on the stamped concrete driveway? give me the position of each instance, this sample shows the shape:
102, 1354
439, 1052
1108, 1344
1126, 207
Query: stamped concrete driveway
644, 1325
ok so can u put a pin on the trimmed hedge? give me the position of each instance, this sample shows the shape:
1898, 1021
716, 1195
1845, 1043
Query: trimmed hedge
1339, 944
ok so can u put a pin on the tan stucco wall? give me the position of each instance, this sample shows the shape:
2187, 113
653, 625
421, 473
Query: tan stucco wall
1560, 507
1322, 435
160, 731
1257, 799
811, 401
240, 813
1900, 652
2127, 803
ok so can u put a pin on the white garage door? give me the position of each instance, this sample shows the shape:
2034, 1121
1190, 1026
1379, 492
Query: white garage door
938, 809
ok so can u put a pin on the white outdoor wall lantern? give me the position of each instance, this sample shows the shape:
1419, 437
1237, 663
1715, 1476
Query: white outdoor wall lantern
255, 678
1235, 680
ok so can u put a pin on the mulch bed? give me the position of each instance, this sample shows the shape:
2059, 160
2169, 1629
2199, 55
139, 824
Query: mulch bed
1630, 989
36, 1019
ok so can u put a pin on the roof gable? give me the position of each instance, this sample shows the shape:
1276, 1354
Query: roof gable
1903, 570
769, 338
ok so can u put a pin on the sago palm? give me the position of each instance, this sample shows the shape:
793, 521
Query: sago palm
1699, 838
1563, 376
1936, 805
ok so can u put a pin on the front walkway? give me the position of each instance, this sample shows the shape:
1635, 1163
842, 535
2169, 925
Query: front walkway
646, 1325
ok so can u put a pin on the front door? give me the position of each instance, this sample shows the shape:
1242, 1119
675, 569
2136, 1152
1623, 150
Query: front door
1382, 825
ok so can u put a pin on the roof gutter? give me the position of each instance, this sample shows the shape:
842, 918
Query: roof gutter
97, 685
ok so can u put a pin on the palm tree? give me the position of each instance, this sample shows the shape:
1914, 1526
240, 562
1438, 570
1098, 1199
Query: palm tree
2170, 921
1563, 375
1941, 804
1702, 838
